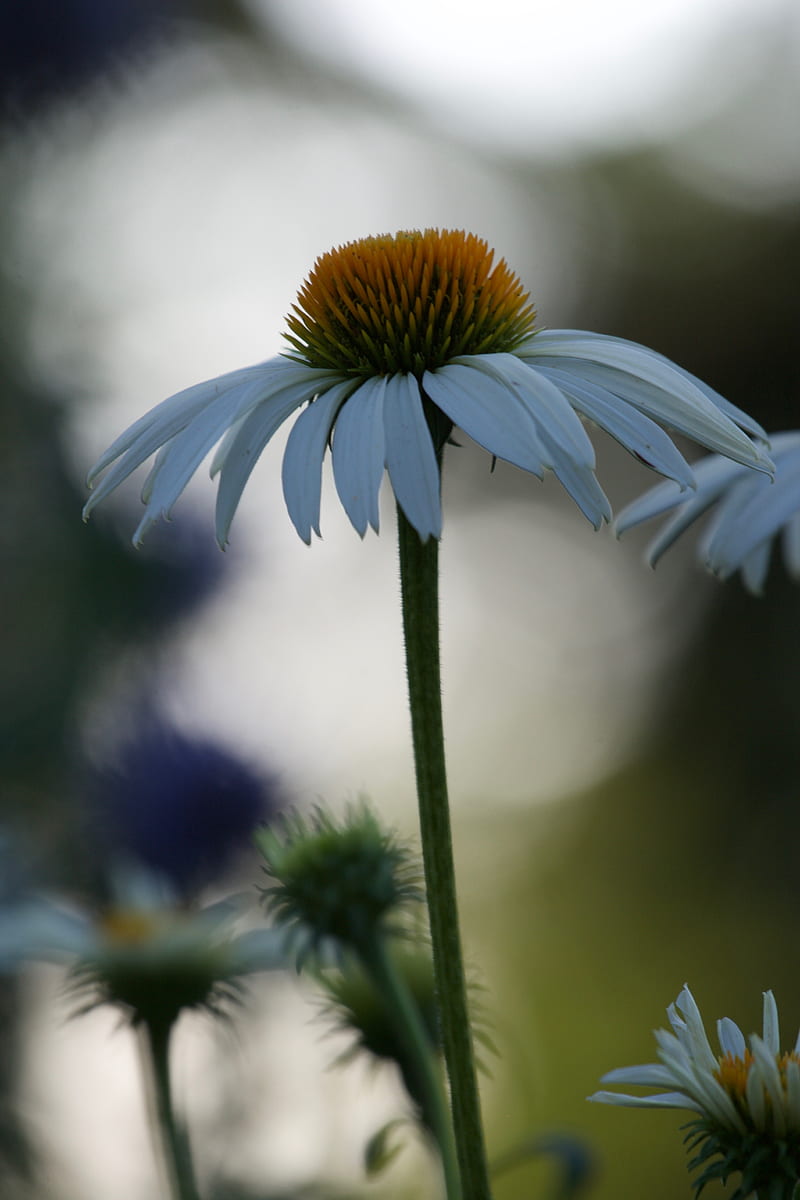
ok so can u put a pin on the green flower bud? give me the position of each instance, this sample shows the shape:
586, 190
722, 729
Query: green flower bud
347, 882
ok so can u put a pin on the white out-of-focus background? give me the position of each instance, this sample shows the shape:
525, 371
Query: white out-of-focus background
619, 741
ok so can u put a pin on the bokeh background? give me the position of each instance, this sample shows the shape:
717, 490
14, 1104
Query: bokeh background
623, 744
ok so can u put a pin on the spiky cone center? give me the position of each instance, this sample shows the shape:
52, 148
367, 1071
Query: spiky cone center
407, 303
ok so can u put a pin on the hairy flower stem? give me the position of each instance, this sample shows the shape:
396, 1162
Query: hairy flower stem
419, 581
402, 1007
170, 1136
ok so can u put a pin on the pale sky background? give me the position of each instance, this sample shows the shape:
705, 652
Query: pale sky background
168, 225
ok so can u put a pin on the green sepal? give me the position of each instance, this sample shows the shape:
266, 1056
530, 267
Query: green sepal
381, 1150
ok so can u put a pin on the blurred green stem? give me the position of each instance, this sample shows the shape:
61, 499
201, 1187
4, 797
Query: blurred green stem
173, 1143
421, 1055
419, 580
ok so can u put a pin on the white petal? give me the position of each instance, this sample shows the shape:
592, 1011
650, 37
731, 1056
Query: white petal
549, 409
755, 567
731, 1038
581, 483
756, 1100
791, 545
244, 451
665, 1100
701, 1047
637, 433
410, 456
650, 382
179, 459
751, 516
227, 440
38, 929
259, 950
647, 1075
766, 1069
793, 1093
490, 412
771, 1028
173, 414
359, 454
559, 336
302, 459
713, 475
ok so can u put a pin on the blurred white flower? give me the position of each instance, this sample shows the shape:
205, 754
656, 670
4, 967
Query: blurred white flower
751, 512
145, 951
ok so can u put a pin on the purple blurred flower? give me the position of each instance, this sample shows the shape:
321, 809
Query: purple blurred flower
183, 807
47, 49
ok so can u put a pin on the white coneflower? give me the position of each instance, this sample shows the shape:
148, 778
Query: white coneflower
394, 341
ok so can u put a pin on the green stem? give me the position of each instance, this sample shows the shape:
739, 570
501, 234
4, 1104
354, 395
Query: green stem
419, 580
173, 1143
421, 1055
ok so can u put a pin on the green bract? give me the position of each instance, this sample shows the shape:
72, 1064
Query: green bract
344, 882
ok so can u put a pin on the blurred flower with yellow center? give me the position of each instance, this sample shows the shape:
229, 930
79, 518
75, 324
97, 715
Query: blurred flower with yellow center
747, 1099
394, 341
146, 952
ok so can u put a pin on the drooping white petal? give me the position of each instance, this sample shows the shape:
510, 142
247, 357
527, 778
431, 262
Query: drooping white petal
161, 423
581, 484
187, 422
179, 459
244, 451
410, 456
557, 337
752, 515
713, 475
489, 412
755, 566
648, 381
551, 412
359, 454
791, 545
737, 415
639, 435
302, 459
566, 445
731, 1038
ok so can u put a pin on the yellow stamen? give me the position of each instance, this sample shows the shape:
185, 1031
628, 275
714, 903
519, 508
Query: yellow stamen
129, 927
408, 303
732, 1073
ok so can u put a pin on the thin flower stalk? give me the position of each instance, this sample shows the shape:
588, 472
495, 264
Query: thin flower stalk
419, 575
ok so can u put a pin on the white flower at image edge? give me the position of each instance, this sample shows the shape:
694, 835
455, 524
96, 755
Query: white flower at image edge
144, 931
396, 340
750, 1085
751, 512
